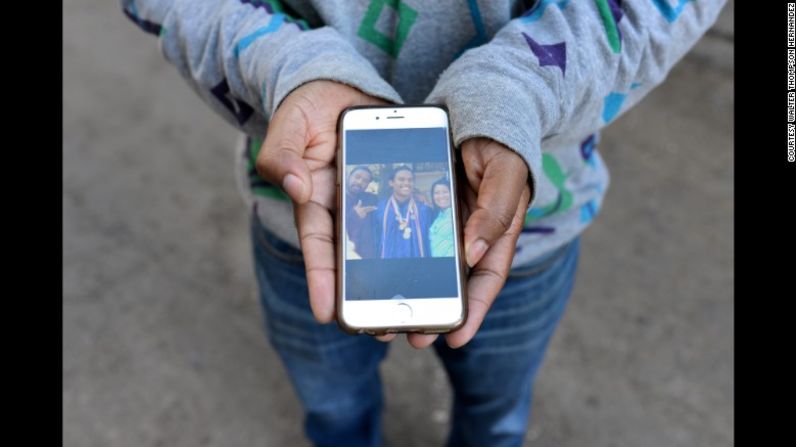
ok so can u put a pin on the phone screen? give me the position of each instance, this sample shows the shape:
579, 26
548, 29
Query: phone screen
399, 212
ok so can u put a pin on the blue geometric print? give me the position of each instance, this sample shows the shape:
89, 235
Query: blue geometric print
670, 13
588, 211
276, 22
612, 106
537, 11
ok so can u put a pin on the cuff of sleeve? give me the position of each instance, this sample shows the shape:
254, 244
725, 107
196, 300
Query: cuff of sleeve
321, 54
490, 105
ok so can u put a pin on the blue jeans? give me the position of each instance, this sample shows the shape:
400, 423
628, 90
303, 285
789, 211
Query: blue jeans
336, 375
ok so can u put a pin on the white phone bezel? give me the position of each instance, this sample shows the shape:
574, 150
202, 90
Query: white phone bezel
362, 315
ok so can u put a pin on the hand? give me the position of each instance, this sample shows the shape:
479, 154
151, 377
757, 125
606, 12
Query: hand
363, 211
298, 153
494, 199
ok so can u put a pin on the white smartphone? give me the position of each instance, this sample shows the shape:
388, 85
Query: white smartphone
400, 265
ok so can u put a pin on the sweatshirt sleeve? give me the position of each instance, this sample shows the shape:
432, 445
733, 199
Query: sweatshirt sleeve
242, 57
567, 67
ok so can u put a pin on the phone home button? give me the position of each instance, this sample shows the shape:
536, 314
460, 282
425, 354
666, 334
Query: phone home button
403, 312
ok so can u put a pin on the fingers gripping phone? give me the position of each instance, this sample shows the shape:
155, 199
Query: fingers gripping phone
399, 252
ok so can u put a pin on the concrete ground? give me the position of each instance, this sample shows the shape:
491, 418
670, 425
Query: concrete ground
162, 338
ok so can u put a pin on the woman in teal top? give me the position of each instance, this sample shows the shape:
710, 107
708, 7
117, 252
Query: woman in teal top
441, 231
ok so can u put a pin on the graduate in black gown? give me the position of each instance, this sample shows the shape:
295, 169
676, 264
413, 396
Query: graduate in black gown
360, 205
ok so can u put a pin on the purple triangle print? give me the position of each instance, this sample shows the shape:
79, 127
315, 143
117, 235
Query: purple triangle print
616, 9
238, 108
555, 54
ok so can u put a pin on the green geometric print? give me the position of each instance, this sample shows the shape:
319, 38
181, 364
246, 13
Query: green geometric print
558, 178
368, 31
259, 186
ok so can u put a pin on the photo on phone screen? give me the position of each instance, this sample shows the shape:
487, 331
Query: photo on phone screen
400, 239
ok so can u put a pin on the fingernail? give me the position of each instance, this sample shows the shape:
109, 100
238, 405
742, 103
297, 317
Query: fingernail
452, 345
476, 251
293, 186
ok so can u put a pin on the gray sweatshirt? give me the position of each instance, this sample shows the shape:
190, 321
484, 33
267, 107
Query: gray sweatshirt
541, 77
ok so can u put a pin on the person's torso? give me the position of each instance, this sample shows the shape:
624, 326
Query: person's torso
411, 43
